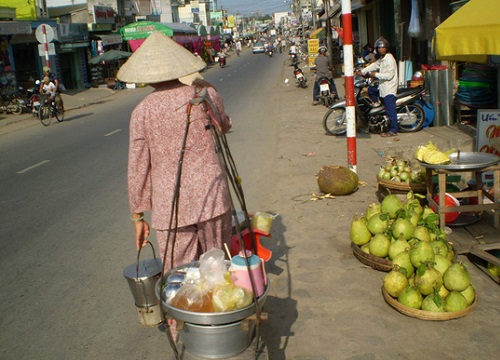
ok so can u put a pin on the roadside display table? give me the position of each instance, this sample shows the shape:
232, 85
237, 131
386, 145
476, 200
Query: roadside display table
477, 163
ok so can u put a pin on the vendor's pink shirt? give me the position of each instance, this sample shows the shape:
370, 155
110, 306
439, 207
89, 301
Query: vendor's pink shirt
157, 128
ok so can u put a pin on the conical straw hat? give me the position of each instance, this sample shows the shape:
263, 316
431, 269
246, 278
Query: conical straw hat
159, 59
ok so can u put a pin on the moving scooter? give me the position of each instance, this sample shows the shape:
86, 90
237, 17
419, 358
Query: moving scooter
300, 79
325, 94
222, 60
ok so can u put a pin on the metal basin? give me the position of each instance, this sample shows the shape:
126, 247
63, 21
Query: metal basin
213, 318
466, 161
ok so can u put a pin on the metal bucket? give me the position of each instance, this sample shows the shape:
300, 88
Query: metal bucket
149, 315
142, 278
217, 342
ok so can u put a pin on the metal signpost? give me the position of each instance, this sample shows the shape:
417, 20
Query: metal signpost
45, 34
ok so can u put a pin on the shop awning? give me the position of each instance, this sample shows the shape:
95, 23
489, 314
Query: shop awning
142, 29
470, 34
109, 39
319, 33
179, 28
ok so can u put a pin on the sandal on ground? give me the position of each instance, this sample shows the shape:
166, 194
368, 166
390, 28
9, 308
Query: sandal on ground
388, 134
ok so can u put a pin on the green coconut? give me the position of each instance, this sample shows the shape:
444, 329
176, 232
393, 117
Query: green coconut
337, 180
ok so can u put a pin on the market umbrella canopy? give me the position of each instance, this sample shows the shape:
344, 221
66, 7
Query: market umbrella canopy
142, 29
470, 34
111, 55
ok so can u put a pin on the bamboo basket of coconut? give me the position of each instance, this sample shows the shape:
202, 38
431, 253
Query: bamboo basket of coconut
424, 314
402, 176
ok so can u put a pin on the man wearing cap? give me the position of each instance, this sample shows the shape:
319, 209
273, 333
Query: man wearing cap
48, 73
158, 128
386, 70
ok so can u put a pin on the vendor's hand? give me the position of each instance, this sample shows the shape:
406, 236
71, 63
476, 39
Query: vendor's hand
372, 74
141, 233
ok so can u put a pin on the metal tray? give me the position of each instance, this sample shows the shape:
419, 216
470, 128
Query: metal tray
466, 161
215, 318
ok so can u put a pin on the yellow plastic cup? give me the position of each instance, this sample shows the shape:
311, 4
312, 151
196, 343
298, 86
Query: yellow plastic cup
263, 221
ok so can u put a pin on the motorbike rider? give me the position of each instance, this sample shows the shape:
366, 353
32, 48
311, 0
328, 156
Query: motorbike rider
386, 71
48, 73
238, 47
323, 70
47, 87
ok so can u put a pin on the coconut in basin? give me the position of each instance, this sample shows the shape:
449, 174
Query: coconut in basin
411, 297
456, 277
420, 253
360, 234
395, 282
379, 245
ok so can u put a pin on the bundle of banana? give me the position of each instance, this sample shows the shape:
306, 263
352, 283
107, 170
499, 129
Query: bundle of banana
430, 154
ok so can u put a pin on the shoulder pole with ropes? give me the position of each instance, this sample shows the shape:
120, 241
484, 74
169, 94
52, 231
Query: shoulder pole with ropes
227, 164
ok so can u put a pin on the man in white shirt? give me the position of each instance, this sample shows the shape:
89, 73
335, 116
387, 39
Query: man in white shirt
386, 70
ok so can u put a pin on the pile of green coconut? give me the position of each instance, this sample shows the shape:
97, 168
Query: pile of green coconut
424, 273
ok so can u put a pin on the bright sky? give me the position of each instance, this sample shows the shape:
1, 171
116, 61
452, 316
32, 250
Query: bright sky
244, 7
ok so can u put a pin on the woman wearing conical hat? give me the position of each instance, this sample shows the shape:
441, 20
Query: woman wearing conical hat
157, 131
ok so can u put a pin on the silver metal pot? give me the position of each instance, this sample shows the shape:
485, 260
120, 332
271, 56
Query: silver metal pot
142, 278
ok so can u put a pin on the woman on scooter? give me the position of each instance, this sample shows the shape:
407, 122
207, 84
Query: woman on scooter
385, 70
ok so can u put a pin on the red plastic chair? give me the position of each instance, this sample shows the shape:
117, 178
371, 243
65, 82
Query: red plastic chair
262, 252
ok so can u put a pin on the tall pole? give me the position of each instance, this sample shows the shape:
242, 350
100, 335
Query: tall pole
45, 45
349, 85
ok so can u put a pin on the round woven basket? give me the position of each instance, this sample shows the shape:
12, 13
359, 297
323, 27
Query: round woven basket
373, 261
402, 186
426, 315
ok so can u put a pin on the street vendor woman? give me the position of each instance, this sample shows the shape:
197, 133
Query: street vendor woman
158, 126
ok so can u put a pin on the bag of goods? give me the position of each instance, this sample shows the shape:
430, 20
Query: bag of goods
212, 268
193, 297
228, 297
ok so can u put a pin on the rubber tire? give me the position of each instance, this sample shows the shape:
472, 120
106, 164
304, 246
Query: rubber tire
330, 121
44, 114
420, 114
18, 108
59, 114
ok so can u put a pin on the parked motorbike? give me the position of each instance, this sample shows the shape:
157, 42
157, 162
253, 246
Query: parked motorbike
10, 104
29, 99
300, 79
325, 94
411, 115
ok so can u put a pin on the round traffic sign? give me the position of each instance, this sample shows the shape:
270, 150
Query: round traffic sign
49, 32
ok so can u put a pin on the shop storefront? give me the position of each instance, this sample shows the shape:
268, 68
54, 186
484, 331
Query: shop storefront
71, 48
8, 67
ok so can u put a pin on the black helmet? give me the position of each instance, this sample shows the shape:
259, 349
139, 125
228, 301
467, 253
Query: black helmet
381, 43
